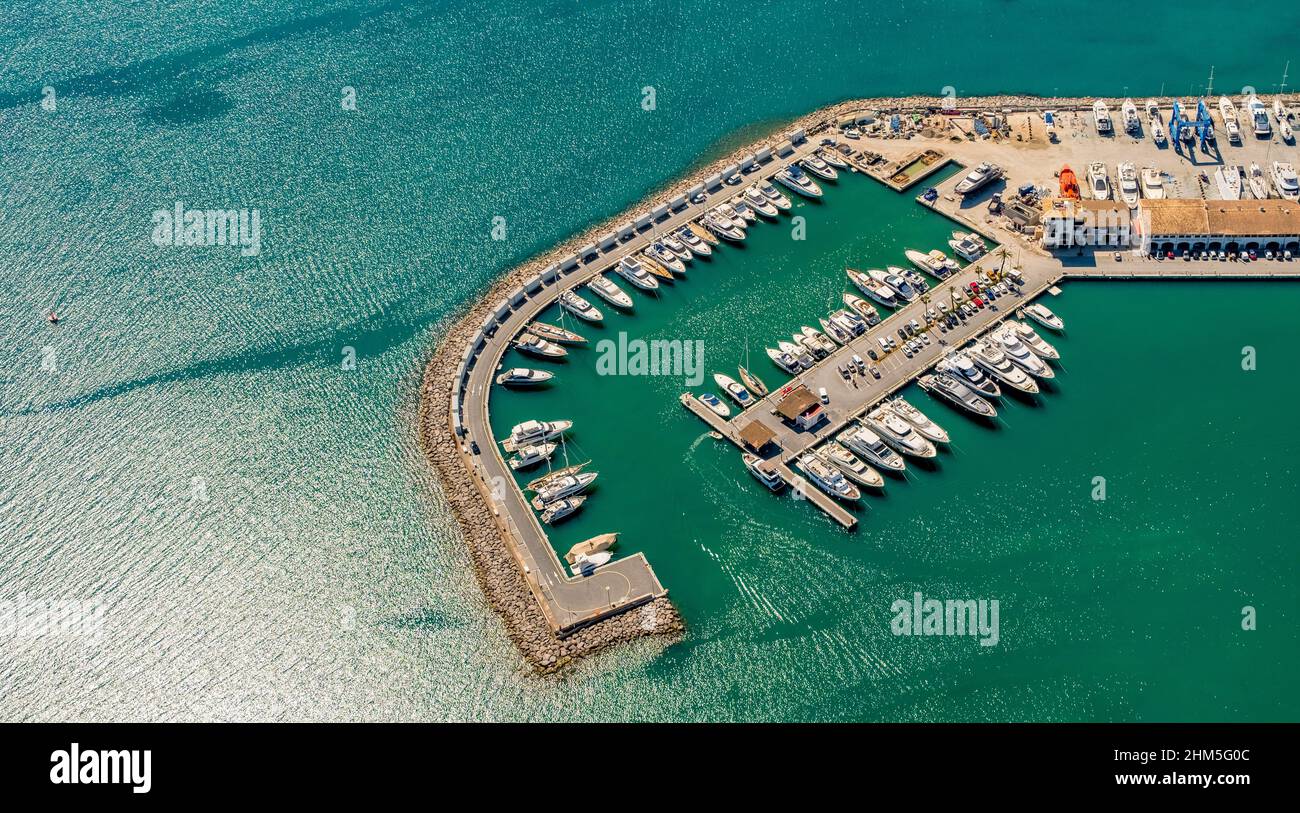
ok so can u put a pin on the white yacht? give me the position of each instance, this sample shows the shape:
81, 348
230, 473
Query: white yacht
693, 242
603, 287
728, 212
942, 385
851, 466
832, 157
1284, 180
763, 471
978, 178
1129, 113
800, 355
1228, 111
723, 226
850, 321
1043, 315
784, 360
862, 307
1019, 354
1153, 186
819, 167
814, 335
1033, 341
967, 246
734, 390
1128, 184
1284, 132
895, 283
1098, 181
759, 202
960, 367
1101, 115
1258, 182
557, 488
898, 433
1228, 179
836, 331
827, 477
742, 208
635, 273
531, 432
715, 404
1153, 122
524, 377
560, 509
662, 255
535, 345
874, 291
586, 564
579, 307
798, 181
677, 247
996, 364
773, 194
914, 279
531, 455
928, 428
861, 440
1258, 117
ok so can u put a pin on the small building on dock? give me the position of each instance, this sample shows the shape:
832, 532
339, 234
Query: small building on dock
801, 408
1180, 225
1070, 223
756, 436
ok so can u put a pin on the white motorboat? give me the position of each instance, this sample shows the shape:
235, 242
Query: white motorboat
558, 510
734, 390
1153, 187
677, 247
726, 211
968, 246
535, 345
1098, 181
862, 307
1228, 179
693, 242
1284, 131
579, 307
1019, 354
1128, 184
851, 466
715, 404
723, 227
831, 157
814, 335
557, 488
928, 428
862, 441
773, 194
898, 433
809, 346
759, 202
901, 287
1033, 341
531, 455
1129, 115
935, 263
1228, 112
918, 282
837, 331
1156, 126
524, 377
819, 167
978, 178
795, 179
763, 471
801, 355
1258, 182
1258, 117
605, 288
532, 432
960, 367
948, 388
850, 321
635, 273
879, 293
1285, 182
827, 477
742, 208
784, 360
1043, 315
1101, 115
994, 362
662, 255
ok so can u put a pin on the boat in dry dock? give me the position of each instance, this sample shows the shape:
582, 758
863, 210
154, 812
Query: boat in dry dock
1228, 180
524, 377
863, 441
851, 466
827, 477
796, 180
1101, 116
1154, 124
763, 471
978, 178
1129, 114
1285, 181
1153, 187
994, 362
605, 288
944, 386
535, 345
928, 428
898, 433
1258, 182
635, 273
579, 307
587, 547
1127, 184
555, 334
1228, 112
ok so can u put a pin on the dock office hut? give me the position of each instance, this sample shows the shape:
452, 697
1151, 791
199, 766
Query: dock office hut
801, 408
756, 436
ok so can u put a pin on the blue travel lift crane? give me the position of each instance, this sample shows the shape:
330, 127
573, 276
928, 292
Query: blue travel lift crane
1203, 125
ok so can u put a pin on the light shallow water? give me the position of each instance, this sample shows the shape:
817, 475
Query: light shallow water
320, 578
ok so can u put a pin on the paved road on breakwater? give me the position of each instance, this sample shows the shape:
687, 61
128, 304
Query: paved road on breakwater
569, 602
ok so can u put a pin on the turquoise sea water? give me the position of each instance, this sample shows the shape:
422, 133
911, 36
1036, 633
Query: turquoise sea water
186, 446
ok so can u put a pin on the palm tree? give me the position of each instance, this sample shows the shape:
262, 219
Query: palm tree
1002, 255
